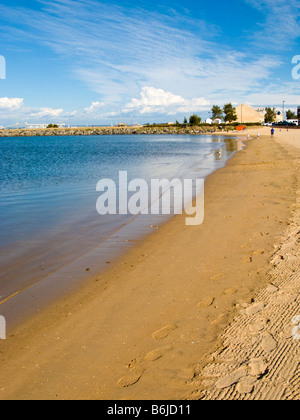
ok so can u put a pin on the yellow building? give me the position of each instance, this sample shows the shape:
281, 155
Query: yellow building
247, 114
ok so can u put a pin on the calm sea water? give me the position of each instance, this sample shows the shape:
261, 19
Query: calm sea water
48, 196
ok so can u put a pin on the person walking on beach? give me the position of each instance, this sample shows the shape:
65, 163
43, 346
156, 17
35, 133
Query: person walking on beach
258, 135
272, 132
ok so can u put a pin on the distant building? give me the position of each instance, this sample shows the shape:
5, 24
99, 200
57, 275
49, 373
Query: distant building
37, 126
247, 114
279, 115
216, 121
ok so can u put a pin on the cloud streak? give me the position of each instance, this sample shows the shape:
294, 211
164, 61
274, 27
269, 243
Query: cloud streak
15, 109
280, 24
117, 50
47, 112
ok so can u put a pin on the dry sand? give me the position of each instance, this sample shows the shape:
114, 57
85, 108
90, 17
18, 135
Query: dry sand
192, 312
259, 357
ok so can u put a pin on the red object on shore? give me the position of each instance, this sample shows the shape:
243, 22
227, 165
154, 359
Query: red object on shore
241, 127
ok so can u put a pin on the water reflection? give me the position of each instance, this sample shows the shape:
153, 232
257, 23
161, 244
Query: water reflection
219, 154
229, 146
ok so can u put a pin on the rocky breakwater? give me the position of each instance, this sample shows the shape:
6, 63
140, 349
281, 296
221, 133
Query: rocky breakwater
101, 131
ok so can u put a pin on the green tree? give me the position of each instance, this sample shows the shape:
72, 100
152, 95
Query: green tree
290, 115
185, 121
230, 113
217, 112
195, 120
270, 115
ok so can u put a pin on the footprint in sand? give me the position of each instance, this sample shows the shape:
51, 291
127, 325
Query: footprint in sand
218, 277
131, 378
164, 332
230, 292
156, 354
207, 302
221, 318
258, 252
247, 260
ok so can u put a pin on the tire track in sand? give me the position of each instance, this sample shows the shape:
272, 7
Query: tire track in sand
260, 356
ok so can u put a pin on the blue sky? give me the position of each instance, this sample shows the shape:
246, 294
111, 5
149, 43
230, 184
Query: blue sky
89, 61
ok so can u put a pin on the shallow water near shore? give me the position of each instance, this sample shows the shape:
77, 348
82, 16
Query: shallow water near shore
51, 233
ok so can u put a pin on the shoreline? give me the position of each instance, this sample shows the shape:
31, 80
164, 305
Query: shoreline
44, 288
145, 328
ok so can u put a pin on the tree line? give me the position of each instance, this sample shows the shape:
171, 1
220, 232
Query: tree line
228, 115
271, 115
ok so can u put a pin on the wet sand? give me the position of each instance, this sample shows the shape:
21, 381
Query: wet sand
148, 327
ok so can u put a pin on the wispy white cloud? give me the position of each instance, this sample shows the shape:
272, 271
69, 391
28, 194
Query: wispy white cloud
274, 94
116, 50
15, 109
122, 50
94, 107
280, 24
47, 112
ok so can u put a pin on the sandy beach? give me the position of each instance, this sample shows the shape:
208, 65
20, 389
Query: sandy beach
191, 313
